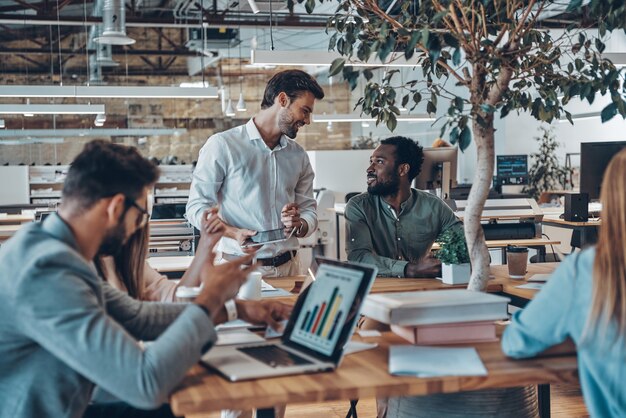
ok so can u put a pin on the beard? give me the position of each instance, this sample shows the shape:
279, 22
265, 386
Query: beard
387, 188
287, 125
113, 241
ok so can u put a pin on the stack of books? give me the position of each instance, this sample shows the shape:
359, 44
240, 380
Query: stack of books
439, 316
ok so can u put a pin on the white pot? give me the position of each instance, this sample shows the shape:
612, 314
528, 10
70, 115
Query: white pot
455, 273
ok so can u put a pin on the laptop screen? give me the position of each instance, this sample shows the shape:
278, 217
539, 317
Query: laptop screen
327, 311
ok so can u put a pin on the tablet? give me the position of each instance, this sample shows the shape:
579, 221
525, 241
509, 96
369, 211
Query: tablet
267, 237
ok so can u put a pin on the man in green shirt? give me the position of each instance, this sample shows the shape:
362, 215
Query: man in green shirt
393, 226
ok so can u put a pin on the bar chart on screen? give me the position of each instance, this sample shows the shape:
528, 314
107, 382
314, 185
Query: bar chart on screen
326, 309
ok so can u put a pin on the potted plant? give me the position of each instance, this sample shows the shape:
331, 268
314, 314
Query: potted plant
545, 174
455, 260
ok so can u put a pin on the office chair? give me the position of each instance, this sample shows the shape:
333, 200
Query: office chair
351, 195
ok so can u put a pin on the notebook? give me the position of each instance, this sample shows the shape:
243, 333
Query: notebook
321, 323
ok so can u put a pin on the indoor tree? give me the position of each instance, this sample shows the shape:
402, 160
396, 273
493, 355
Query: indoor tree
545, 172
499, 53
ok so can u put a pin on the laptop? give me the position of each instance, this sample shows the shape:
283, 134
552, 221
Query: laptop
321, 323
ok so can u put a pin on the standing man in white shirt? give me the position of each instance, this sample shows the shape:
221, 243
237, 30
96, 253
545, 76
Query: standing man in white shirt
260, 177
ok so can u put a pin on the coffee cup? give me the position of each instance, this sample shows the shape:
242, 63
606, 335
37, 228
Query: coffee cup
251, 289
517, 260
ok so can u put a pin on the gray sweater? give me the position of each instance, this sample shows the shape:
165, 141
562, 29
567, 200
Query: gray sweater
62, 330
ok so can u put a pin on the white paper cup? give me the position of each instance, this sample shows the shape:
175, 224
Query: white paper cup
251, 289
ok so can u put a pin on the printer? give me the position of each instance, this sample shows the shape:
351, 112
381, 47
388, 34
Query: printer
503, 219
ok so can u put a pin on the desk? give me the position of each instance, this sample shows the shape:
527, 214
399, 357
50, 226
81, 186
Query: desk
364, 375
15, 219
587, 230
508, 286
7, 231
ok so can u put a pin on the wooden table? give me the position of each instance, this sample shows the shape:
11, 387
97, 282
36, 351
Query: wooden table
509, 287
587, 230
364, 375
15, 219
7, 231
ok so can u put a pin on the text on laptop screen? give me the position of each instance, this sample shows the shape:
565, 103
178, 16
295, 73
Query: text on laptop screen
327, 308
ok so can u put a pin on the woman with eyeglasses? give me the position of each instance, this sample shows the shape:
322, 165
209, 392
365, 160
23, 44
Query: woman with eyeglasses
128, 270
585, 300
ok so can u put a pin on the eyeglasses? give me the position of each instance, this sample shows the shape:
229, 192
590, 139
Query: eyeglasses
142, 220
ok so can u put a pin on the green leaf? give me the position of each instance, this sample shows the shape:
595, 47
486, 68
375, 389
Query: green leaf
425, 36
431, 108
336, 66
487, 108
368, 74
392, 122
608, 112
465, 138
573, 5
459, 103
309, 6
454, 135
415, 37
417, 97
456, 57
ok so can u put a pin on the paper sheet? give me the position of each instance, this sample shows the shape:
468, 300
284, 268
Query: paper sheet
531, 286
421, 361
237, 337
352, 347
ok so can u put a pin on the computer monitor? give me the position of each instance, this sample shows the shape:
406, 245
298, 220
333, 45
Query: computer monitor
594, 158
439, 167
512, 169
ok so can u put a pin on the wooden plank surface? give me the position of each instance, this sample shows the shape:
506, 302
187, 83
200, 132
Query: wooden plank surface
363, 375
556, 221
509, 286
12, 219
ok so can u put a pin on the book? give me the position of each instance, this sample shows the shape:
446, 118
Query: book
410, 360
453, 333
435, 307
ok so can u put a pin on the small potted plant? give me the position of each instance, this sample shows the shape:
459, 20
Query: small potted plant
455, 260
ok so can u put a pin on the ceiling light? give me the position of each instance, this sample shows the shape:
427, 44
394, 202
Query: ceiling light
146, 92
581, 116
358, 118
37, 91
253, 6
326, 58
229, 109
51, 109
26, 133
617, 58
27, 141
125, 92
241, 104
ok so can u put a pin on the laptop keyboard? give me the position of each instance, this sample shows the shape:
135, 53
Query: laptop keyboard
274, 356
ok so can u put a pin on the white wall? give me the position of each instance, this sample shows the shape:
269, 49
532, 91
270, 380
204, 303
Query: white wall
340, 171
16, 190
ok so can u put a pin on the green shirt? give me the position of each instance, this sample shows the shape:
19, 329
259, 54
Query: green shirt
376, 235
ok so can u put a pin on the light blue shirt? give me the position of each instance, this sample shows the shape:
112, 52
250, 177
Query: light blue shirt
252, 183
62, 330
560, 310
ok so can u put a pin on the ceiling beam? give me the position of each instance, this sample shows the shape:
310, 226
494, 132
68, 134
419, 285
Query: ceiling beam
212, 21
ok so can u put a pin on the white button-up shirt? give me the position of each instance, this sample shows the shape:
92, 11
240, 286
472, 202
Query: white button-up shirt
252, 183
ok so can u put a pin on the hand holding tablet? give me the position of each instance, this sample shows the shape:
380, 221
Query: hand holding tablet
267, 237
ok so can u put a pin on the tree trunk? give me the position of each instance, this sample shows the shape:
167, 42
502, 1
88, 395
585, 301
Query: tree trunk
479, 255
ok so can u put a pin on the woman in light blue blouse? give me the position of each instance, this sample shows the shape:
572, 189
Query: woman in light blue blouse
585, 300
